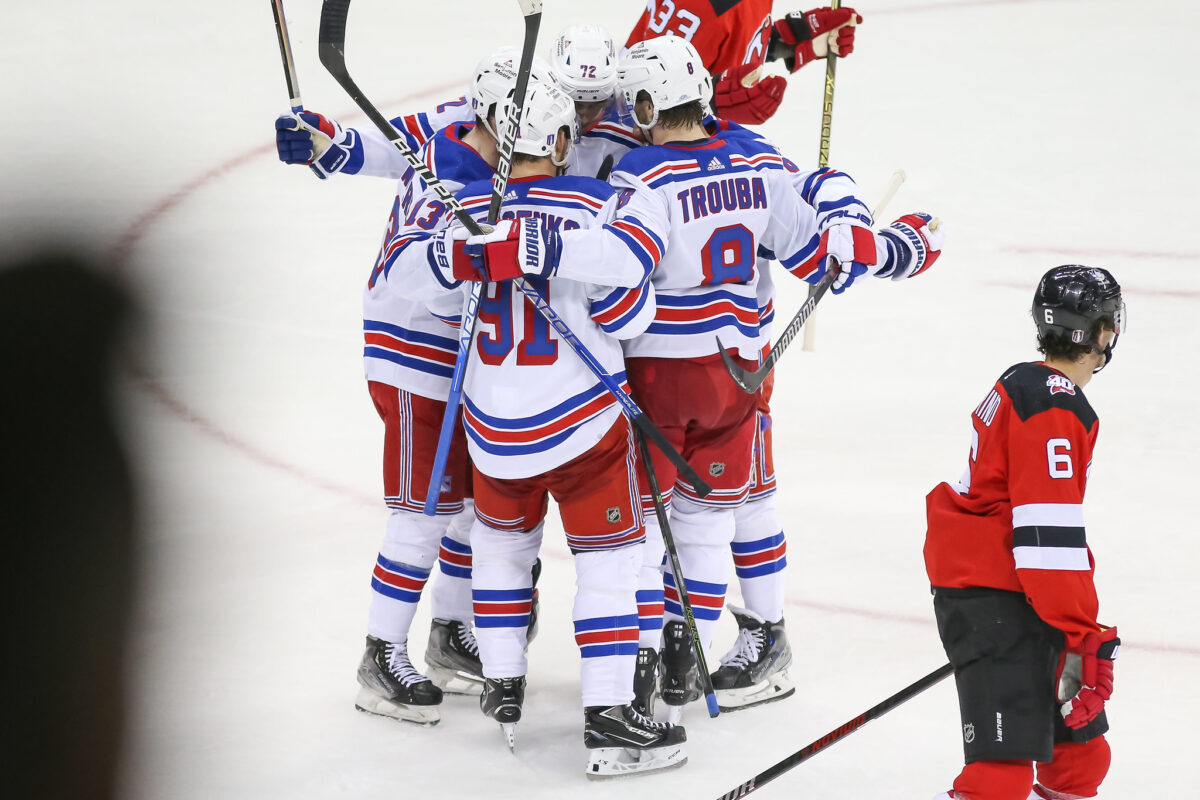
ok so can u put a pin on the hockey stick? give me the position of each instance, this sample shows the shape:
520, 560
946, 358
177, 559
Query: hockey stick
631, 410
285, 50
810, 333
685, 602
605, 168
532, 10
840, 732
750, 381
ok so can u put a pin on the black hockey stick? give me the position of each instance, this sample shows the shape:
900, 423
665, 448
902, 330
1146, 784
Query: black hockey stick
685, 602
838, 733
285, 51
749, 380
605, 168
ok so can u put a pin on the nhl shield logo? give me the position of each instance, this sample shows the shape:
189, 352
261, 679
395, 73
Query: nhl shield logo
613, 515
969, 732
716, 469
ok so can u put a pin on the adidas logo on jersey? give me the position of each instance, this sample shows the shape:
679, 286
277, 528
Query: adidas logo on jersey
1059, 384
512, 195
715, 164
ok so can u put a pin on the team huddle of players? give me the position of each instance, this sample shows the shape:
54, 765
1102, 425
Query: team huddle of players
641, 217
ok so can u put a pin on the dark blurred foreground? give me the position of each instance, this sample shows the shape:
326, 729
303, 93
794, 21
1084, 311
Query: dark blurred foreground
67, 512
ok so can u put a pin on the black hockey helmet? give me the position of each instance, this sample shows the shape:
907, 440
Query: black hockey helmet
1072, 298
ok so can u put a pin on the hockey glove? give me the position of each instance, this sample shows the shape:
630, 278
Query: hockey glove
309, 138
739, 97
912, 244
515, 249
448, 258
1092, 672
800, 38
850, 249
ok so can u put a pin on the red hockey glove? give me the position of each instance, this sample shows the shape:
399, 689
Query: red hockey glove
450, 262
738, 98
912, 243
800, 38
515, 249
1095, 678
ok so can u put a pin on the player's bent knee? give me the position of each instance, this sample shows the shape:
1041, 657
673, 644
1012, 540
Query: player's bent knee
1077, 769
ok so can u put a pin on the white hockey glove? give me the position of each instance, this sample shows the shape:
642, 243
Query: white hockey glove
850, 249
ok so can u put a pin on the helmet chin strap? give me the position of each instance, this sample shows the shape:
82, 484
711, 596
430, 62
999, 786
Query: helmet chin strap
1107, 352
647, 126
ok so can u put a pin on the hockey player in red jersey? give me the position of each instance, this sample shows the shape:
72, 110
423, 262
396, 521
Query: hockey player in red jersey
736, 37
1011, 569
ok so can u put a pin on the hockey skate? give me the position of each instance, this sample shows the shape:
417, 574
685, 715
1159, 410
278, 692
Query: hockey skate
501, 700
645, 681
452, 656
754, 671
679, 674
620, 741
392, 687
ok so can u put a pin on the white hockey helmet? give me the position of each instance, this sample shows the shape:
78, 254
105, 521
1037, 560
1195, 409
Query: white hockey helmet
547, 110
585, 63
496, 77
667, 68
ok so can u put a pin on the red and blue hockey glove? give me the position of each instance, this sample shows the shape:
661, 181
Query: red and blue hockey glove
739, 97
525, 247
448, 258
801, 37
912, 244
850, 249
1090, 673
309, 138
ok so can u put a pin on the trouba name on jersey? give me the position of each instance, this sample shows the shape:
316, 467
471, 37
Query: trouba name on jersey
728, 194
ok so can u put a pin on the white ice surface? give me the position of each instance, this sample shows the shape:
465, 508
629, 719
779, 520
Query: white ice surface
1042, 133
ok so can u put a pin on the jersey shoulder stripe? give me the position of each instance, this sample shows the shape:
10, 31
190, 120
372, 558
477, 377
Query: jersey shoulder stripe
1034, 388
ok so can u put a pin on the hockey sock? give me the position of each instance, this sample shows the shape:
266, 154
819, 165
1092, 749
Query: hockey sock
1076, 769
702, 536
405, 560
760, 557
995, 780
606, 623
650, 588
450, 596
502, 593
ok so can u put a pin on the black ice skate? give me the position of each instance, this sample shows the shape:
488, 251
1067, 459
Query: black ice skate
620, 741
452, 656
679, 674
392, 687
501, 700
755, 670
645, 681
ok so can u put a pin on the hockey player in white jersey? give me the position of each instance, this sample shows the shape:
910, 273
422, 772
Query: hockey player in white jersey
408, 358
539, 424
696, 207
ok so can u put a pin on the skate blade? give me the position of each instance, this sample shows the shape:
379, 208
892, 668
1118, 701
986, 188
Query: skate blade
456, 681
613, 762
509, 729
776, 687
371, 703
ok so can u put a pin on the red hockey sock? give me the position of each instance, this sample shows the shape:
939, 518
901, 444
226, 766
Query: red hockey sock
995, 780
1076, 769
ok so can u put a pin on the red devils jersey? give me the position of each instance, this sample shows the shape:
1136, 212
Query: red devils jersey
726, 33
1015, 519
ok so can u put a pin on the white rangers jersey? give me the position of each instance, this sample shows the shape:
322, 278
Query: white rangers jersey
529, 404
405, 345
371, 153
696, 213
608, 137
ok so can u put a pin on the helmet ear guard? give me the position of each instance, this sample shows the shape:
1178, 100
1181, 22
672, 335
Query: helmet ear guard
669, 70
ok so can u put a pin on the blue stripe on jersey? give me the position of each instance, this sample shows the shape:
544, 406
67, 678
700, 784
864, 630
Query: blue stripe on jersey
813, 181
442, 342
537, 420
421, 365
833, 205
643, 255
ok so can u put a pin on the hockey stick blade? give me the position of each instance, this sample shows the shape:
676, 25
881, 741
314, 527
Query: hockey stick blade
839, 733
750, 381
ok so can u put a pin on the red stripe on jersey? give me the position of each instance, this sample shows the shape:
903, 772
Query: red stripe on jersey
642, 237
420, 351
